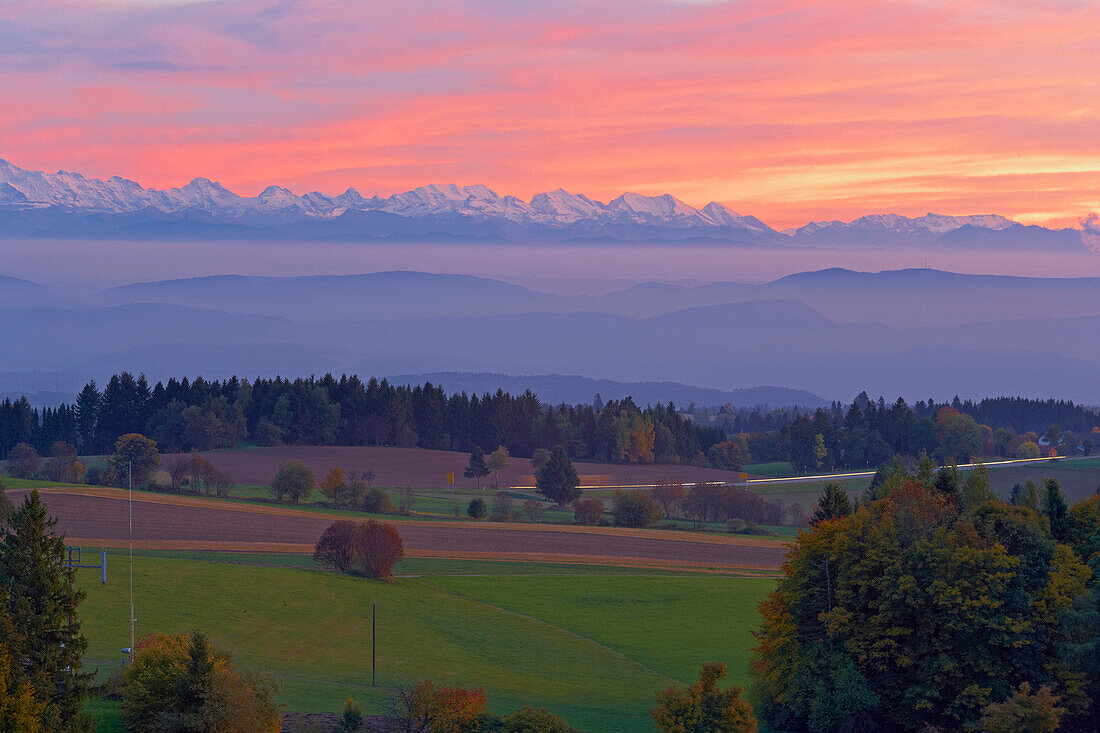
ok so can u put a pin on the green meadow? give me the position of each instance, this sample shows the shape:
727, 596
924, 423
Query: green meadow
591, 644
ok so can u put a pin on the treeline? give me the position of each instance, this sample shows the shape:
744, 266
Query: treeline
182, 415
869, 433
1018, 414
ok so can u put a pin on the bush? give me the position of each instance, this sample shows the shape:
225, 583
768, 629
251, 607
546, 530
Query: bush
735, 525
529, 720
433, 708
23, 461
177, 682
635, 509
370, 548
704, 707
293, 481
502, 506
533, 509
476, 509
348, 495
375, 501
588, 511
96, 475
352, 718
408, 500
202, 477
336, 547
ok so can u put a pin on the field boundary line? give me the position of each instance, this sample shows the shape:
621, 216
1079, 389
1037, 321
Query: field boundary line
486, 556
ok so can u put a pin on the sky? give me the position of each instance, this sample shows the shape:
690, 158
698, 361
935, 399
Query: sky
789, 110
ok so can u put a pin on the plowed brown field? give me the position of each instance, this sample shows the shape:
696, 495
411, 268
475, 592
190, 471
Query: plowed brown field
101, 516
422, 468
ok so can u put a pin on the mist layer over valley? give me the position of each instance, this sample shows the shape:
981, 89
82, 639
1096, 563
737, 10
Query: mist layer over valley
918, 333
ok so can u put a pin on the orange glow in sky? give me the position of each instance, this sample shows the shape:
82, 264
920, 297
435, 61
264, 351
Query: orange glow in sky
790, 110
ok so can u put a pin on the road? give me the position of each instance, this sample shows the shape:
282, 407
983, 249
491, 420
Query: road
831, 476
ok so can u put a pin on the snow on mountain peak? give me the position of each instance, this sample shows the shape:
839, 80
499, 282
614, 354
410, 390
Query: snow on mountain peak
557, 210
941, 223
562, 207
929, 224
272, 191
664, 206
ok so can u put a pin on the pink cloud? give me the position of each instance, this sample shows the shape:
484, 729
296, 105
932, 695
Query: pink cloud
784, 109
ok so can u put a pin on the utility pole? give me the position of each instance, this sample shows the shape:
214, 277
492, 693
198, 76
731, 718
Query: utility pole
373, 646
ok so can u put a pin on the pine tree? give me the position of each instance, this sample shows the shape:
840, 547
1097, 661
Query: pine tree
558, 480
41, 603
477, 468
947, 481
194, 686
1017, 498
832, 503
1055, 509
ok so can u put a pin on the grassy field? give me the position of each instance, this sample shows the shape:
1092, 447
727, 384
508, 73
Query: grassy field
590, 644
26, 483
1079, 479
779, 469
106, 715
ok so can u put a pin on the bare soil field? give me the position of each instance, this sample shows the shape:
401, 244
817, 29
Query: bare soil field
423, 468
162, 522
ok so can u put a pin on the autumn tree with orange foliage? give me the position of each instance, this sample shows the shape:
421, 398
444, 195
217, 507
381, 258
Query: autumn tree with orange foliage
704, 707
912, 612
177, 682
332, 481
1034, 712
429, 707
639, 441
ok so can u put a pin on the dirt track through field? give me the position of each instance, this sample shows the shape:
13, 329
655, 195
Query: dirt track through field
169, 522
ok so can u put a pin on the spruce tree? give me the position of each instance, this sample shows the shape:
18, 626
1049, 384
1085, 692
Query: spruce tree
41, 603
87, 417
947, 481
1017, 498
1055, 509
558, 480
832, 503
477, 468
194, 686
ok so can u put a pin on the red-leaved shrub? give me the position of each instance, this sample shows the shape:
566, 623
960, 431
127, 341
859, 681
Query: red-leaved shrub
371, 548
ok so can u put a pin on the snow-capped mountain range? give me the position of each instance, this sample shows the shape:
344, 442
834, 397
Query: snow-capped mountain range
33, 203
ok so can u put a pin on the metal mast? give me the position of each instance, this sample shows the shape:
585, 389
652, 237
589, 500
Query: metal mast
130, 472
